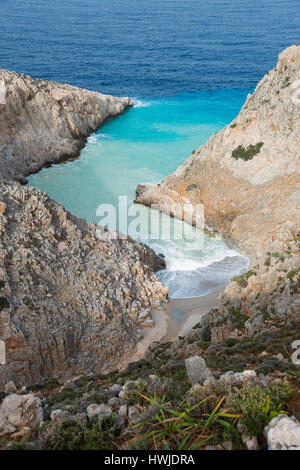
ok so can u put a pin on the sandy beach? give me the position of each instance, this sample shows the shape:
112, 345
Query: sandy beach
175, 319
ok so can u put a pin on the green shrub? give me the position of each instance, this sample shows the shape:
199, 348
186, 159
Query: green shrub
247, 153
96, 434
258, 406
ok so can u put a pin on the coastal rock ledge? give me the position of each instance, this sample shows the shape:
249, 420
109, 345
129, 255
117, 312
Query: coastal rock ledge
43, 122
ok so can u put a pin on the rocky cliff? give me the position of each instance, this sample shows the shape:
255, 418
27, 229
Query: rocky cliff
44, 122
247, 176
70, 302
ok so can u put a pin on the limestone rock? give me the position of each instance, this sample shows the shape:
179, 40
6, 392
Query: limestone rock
98, 410
58, 416
237, 378
133, 414
123, 411
283, 433
67, 312
19, 411
44, 122
197, 370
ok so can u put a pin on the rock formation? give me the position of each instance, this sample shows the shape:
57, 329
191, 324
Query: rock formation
44, 122
247, 176
70, 301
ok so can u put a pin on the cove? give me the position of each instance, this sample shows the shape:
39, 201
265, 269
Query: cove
143, 146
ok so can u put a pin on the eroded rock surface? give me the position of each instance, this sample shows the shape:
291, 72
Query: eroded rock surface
70, 302
20, 411
44, 122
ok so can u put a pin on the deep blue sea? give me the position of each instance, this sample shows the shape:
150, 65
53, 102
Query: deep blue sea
147, 47
188, 65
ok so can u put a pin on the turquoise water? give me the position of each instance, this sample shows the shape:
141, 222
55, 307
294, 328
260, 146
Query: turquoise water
144, 145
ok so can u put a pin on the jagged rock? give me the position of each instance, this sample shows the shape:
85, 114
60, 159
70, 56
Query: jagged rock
10, 388
283, 433
197, 370
123, 411
20, 411
250, 442
98, 410
133, 414
44, 122
237, 378
72, 302
58, 416
62, 309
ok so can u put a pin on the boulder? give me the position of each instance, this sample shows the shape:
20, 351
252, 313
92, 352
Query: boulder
98, 410
58, 416
283, 433
197, 370
133, 414
20, 411
123, 411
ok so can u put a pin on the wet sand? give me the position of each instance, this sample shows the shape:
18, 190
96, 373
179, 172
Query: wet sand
176, 318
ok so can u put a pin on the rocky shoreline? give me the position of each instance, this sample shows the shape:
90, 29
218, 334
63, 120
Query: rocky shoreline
232, 381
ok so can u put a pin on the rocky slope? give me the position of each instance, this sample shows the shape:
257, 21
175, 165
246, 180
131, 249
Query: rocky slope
70, 302
44, 122
247, 176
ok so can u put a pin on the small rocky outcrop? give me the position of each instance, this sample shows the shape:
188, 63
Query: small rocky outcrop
43, 122
20, 412
70, 301
283, 433
197, 370
247, 176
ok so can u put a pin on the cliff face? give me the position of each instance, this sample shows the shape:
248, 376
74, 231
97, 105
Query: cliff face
247, 175
70, 302
46, 122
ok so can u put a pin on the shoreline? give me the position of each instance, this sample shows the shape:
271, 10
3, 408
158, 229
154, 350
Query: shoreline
176, 318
